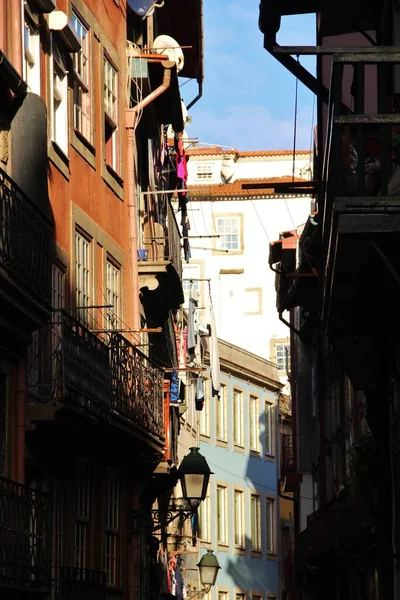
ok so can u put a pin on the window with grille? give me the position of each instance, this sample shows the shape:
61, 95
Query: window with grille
222, 411
113, 293
82, 275
238, 438
228, 229
111, 115
59, 92
81, 62
222, 517
269, 429
271, 525
204, 171
31, 57
112, 528
238, 507
254, 404
82, 514
255, 522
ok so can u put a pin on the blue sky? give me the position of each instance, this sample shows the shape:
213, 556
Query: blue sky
248, 97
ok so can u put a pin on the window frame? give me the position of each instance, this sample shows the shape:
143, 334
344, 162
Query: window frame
204, 171
238, 418
112, 156
222, 415
113, 295
205, 519
239, 525
219, 244
204, 420
254, 423
59, 119
86, 291
82, 520
82, 84
31, 57
112, 530
270, 501
269, 429
222, 540
255, 526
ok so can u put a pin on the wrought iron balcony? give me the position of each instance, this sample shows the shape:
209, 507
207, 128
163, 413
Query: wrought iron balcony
25, 537
25, 241
137, 387
72, 366
81, 584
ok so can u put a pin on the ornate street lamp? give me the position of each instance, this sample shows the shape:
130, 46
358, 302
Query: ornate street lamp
208, 567
194, 474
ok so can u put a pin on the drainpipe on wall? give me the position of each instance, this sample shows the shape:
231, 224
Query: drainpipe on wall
130, 124
14, 38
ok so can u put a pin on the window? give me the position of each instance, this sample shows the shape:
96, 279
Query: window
82, 519
58, 542
271, 526
222, 414
228, 228
111, 115
223, 596
82, 275
254, 404
238, 507
205, 418
240, 596
59, 94
81, 61
205, 519
31, 58
204, 171
113, 291
57, 287
282, 357
256, 597
238, 418
112, 528
222, 521
255, 515
269, 429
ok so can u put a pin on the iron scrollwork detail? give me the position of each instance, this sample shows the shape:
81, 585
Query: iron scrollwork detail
149, 522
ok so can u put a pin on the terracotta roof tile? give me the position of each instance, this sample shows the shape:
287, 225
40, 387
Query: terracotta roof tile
218, 150
235, 189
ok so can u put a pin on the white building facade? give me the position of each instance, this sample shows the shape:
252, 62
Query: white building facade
246, 221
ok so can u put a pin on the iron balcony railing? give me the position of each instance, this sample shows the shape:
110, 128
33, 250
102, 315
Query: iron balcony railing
137, 386
25, 537
71, 365
105, 378
81, 584
25, 240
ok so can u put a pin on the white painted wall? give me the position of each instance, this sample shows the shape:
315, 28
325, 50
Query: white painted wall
263, 220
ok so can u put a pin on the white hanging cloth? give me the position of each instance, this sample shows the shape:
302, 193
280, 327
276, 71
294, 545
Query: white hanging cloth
214, 353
